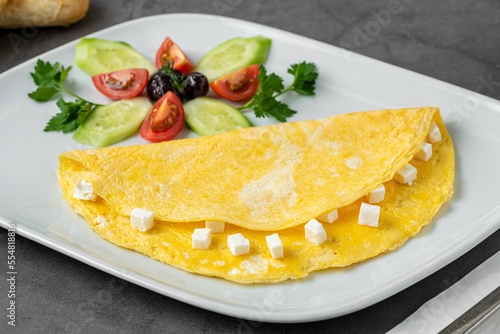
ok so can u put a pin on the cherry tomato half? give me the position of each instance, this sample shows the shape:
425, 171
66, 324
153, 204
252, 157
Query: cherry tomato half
165, 120
238, 85
123, 84
171, 52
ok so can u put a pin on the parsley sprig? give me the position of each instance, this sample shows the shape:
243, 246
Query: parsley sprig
264, 102
49, 79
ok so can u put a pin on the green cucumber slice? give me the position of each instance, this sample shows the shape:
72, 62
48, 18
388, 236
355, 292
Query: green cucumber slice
207, 116
113, 123
96, 56
232, 55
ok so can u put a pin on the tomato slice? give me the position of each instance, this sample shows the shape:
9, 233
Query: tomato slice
171, 52
123, 84
238, 85
165, 120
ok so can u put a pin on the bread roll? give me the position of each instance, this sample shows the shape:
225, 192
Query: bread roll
41, 13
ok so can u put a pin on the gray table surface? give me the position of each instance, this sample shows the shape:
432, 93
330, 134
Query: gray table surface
454, 41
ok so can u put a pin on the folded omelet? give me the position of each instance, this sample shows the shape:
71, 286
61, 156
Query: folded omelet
266, 180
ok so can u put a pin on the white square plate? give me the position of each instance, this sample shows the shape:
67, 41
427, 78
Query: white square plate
348, 82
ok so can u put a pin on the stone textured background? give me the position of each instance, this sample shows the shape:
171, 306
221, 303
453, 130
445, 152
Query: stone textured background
454, 41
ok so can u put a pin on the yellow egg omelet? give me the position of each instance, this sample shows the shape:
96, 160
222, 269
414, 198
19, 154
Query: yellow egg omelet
267, 180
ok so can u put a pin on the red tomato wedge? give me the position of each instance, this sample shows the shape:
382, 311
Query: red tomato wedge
123, 84
238, 85
165, 120
171, 52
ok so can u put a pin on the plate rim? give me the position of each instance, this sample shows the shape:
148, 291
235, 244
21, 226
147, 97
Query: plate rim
295, 316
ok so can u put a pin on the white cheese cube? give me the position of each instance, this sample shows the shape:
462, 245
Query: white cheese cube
407, 174
202, 238
425, 153
84, 190
434, 135
141, 219
369, 215
215, 226
328, 217
376, 195
315, 232
102, 221
238, 244
275, 246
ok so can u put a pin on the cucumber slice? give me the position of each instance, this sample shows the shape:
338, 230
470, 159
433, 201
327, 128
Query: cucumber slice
96, 56
232, 55
113, 123
207, 116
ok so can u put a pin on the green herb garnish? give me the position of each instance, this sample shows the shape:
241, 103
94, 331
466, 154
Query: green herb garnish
264, 102
49, 79
177, 79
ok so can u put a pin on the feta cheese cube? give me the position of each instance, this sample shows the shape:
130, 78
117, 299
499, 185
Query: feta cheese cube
84, 190
407, 174
275, 246
202, 238
328, 217
215, 226
238, 244
315, 232
376, 195
434, 135
102, 221
425, 153
369, 215
141, 219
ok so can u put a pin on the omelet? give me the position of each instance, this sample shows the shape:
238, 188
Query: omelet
266, 180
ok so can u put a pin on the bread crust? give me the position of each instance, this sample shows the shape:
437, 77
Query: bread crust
41, 13
2, 4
